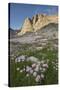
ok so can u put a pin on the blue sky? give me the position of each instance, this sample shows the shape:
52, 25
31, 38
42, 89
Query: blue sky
18, 12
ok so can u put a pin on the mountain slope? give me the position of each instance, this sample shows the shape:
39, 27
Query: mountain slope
48, 32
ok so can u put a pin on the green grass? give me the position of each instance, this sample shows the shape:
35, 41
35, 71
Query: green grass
20, 79
51, 75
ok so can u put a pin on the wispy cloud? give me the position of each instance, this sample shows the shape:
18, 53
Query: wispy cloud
48, 10
51, 10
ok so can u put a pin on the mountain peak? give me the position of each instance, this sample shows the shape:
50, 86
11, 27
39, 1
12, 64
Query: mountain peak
37, 22
27, 26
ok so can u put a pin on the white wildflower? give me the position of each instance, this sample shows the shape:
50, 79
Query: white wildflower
31, 71
37, 68
22, 57
16, 60
37, 79
45, 65
43, 70
56, 69
33, 65
23, 60
34, 74
42, 76
27, 75
21, 71
28, 69
18, 69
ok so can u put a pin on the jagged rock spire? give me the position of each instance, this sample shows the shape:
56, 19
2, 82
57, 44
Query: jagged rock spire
38, 21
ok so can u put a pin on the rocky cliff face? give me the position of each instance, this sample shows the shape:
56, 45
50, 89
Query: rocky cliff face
38, 21
27, 26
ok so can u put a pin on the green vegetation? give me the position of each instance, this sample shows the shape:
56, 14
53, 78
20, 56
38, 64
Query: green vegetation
51, 74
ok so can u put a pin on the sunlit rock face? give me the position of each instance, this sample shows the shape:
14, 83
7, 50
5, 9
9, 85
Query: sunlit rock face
27, 26
37, 22
41, 20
